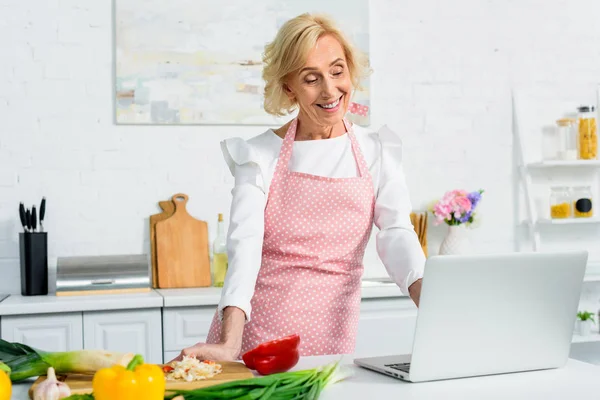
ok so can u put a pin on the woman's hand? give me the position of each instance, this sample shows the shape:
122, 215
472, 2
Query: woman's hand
213, 352
414, 291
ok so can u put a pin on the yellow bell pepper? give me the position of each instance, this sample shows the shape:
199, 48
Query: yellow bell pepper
137, 381
5, 385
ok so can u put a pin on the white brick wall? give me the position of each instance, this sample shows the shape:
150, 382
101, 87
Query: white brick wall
442, 78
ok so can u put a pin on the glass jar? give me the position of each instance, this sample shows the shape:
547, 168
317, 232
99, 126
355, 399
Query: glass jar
582, 202
560, 202
588, 133
567, 139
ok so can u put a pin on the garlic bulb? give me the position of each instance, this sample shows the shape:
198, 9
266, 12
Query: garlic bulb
51, 388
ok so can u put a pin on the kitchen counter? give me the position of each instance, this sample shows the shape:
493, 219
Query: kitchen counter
192, 297
371, 289
577, 380
20, 305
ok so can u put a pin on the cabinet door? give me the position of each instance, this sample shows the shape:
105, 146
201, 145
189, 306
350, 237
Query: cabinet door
126, 331
48, 332
186, 326
386, 327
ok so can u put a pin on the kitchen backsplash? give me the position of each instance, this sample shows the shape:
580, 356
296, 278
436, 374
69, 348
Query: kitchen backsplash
442, 78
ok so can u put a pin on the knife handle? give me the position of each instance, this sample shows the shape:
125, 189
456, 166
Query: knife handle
22, 216
33, 218
28, 218
42, 210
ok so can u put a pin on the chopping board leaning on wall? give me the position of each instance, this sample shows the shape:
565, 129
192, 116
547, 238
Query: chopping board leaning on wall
168, 208
182, 252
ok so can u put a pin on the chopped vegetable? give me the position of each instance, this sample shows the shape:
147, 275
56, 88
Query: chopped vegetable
51, 388
5, 386
272, 357
190, 369
137, 381
25, 361
306, 384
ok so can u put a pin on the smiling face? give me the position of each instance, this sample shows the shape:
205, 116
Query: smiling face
323, 86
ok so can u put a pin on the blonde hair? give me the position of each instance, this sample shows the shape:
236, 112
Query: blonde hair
288, 52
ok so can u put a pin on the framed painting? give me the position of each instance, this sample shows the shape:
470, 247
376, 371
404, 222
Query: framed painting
181, 62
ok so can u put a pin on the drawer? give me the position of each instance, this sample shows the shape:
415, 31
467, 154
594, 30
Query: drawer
185, 326
48, 332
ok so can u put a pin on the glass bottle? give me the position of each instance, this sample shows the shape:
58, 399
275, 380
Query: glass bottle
220, 261
582, 202
588, 133
567, 139
560, 202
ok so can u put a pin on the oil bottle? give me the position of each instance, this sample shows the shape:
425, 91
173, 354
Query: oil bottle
220, 254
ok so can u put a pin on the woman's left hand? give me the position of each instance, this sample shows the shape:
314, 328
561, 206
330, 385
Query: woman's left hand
414, 291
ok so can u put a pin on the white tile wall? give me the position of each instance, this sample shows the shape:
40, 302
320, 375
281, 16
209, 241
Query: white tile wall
443, 72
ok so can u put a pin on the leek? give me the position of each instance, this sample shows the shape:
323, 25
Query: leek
25, 362
5, 368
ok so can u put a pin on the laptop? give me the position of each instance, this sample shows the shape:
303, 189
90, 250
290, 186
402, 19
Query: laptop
491, 314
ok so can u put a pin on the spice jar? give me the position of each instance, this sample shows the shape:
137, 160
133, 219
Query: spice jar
560, 202
582, 202
567, 139
588, 133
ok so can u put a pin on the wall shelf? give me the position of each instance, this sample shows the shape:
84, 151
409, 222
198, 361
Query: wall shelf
565, 221
594, 337
561, 163
526, 178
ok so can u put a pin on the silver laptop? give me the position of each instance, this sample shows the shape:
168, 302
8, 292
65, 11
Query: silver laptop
491, 314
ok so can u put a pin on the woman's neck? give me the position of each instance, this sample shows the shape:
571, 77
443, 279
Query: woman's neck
310, 131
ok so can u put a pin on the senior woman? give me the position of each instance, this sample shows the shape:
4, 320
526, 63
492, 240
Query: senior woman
305, 198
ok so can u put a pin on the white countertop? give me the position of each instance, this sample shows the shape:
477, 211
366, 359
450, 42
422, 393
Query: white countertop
192, 297
19, 305
577, 380
210, 296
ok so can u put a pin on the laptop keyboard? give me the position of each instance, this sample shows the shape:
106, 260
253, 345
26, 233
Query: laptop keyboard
404, 367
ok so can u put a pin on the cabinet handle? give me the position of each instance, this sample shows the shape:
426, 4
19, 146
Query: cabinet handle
103, 281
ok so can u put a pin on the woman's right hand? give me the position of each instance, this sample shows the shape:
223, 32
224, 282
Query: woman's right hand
213, 352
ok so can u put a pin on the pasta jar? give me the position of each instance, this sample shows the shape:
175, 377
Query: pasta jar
560, 202
588, 133
582, 202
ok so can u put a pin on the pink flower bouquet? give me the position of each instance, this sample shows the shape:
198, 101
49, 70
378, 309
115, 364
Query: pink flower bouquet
456, 207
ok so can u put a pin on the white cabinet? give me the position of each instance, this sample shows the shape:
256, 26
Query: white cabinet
386, 326
49, 332
183, 327
186, 326
128, 331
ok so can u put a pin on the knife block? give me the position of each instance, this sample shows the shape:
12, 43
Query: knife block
34, 263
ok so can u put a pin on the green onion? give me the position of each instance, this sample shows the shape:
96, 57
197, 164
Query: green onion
25, 362
306, 384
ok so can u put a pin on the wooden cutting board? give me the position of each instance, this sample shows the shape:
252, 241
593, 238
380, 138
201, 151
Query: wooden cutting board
182, 249
82, 383
168, 208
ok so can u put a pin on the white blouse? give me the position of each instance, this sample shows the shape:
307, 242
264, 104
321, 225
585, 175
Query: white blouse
253, 162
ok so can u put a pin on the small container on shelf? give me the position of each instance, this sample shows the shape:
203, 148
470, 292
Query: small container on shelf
560, 202
567, 139
587, 133
582, 202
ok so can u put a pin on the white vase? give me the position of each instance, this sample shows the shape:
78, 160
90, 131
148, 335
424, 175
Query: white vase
584, 328
456, 241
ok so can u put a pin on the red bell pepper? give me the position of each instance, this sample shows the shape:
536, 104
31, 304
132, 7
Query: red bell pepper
279, 355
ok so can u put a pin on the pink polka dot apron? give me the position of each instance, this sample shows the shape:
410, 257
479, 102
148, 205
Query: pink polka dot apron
316, 231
